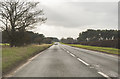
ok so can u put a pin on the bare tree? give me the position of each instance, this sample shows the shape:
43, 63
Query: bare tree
18, 17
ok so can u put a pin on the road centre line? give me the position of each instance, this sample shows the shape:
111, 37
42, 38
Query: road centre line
104, 75
83, 61
68, 52
101, 73
77, 58
72, 54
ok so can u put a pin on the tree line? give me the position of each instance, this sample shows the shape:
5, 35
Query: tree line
94, 35
97, 35
103, 38
17, 18
29, 38
68, 40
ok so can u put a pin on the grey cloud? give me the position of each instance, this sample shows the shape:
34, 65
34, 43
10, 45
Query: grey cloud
74, 14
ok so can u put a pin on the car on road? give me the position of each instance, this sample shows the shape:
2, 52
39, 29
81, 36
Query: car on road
55, 43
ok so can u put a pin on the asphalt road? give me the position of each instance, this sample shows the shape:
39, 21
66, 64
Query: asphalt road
66, 61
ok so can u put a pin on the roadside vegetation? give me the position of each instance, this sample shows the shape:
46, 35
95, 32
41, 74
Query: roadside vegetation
106, 41
95, 48
4, 44
18, 43
100, 38
17, 18
11, 57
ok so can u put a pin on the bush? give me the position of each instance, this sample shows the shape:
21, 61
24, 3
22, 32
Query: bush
104, 43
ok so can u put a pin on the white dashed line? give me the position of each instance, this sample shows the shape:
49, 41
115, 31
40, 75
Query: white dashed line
64, 49
68, 52
83, 61
72, 54
77, 58
104, 75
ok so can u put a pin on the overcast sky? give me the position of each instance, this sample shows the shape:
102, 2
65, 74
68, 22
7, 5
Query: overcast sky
69, 18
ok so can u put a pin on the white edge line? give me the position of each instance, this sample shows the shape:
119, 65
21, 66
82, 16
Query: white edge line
10, 75
72, 54
104, 75
83, 61
28, 61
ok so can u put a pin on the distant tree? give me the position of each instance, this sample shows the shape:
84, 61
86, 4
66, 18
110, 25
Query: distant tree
63, 40
47, 40
97, 35
0, 36
118, 34
70, 40
17, 17
39, 39
50, 40
5, 38
54, 39
30, 37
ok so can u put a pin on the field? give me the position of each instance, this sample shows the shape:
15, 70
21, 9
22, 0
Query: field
11, 57
95, 48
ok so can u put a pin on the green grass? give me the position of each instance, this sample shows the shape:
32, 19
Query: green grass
11, 57
4, 44
95, 48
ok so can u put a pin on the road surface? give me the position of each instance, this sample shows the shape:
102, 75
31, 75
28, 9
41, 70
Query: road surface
66, 61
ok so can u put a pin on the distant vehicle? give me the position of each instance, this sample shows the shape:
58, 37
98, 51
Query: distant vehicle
55, 43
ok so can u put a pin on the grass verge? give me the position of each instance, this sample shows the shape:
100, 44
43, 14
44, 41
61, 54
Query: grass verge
12, 57
100, 49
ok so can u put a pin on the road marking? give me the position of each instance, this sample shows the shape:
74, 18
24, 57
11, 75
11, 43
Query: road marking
72, 54
23, 65
68, 52
28, 62
64, 49
104, 75
83, 61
